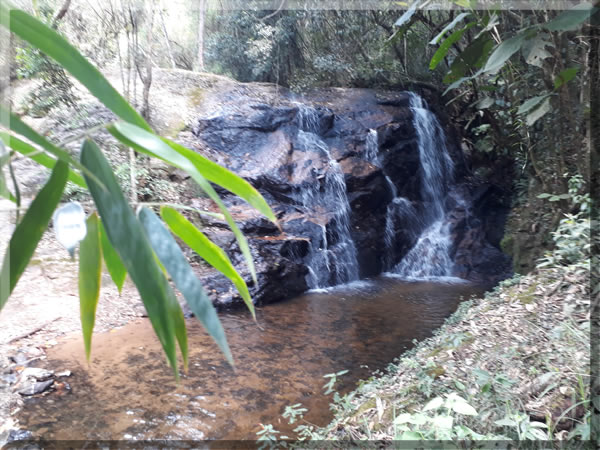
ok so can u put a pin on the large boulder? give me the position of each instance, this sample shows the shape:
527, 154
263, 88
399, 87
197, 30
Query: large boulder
289, 149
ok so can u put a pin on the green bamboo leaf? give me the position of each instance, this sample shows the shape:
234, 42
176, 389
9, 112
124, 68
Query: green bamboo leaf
152, 145
113, 262
449, 27
90, 270
571, 19
503, 52
15, 124
41, 158
58, 48
208, 250
445, 47
127, 237
182, 274
29, 231
408, 14
227, 179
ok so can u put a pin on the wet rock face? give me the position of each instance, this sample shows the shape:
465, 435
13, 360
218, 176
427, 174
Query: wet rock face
259, 132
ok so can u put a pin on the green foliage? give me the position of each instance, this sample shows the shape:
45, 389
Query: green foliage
90, 272
176, 264
444, 425
572, 236
125, 244
29, 231
332, 381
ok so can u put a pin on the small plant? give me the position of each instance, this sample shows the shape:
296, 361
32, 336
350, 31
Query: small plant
268, 437
524, 427
572, 236
444, 425
332, 380
293, 412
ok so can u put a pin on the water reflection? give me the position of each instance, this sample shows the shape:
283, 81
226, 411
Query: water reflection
129, 393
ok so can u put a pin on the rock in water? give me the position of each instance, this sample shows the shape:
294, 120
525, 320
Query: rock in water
36, 388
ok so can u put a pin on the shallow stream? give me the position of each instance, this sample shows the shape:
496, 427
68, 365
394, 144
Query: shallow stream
128, 392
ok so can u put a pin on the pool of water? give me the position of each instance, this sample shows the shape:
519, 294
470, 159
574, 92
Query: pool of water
128, 392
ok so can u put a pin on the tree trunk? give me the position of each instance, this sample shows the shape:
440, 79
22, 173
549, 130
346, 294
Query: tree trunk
164, 28
61, 13
200, 54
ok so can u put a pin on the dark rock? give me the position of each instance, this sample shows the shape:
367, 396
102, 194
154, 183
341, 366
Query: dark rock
263, 135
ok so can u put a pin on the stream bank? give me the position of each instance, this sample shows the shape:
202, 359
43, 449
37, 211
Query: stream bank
520, 356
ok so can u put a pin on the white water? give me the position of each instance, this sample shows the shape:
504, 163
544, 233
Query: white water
327, 198
430, 256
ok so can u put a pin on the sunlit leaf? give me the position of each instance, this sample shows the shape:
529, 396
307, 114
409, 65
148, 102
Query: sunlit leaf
58, 48
528, 105
184, 278
127, 236
40, 157
210, 252
113, 262
537, 113
29, 231
404, 18
449, 27
151, 144
90, 271
434, 404
226, 179
464, 408
503, 52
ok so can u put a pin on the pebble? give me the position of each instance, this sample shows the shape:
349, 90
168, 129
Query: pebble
37, 373
36, 388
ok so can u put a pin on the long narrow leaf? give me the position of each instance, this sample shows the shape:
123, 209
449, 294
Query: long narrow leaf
41, 158
186, 281
126, 235
113, 262
152, 145
30, 230
227, 179
90, 270
572, 18
58, 48
449, 27
209, 251
445, 47
15, 124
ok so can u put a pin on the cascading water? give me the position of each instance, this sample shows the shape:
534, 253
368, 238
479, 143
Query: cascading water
327, 199
430, 256
399, 209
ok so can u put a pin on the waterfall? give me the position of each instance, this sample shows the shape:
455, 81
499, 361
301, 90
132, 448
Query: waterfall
400, 209
326, 200
430, 256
